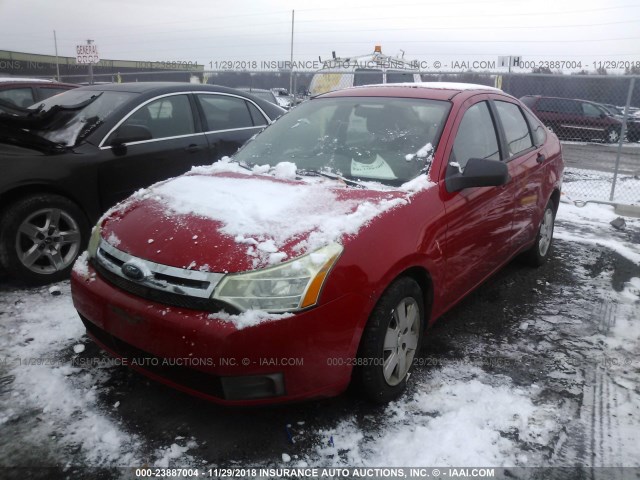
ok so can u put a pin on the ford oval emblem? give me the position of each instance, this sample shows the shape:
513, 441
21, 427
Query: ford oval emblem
132, 272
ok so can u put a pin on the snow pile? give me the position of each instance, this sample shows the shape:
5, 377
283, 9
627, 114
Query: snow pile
594, 229
459, 417
175, 455
81, 267
250, 318
42, 330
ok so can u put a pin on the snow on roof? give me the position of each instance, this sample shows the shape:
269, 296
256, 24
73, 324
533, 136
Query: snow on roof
437, 85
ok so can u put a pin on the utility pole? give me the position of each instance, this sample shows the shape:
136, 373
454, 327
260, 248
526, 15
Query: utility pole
55, 42
293, 16
89, 42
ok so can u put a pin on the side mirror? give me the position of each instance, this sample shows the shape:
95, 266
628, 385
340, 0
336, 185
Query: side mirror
479, 172
130, 133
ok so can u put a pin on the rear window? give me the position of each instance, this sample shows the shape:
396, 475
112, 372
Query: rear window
367, 76
399, 77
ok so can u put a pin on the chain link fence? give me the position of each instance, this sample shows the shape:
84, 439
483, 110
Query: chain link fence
596, 117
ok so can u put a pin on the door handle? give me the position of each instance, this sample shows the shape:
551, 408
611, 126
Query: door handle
193, 148
540, 158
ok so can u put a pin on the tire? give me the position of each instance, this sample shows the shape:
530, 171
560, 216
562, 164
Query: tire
538, 254
612, 136
41, 237
390, 341
633, 137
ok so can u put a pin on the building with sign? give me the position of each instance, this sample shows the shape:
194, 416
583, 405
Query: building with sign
45, 66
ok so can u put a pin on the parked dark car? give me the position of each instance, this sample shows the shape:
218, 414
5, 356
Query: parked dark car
575, 119
633, 122
67, 159
24, 92
320, 253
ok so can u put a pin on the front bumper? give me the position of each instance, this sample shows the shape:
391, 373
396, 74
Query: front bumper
308, 355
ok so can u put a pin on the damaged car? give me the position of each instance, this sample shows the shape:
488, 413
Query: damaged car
68, 158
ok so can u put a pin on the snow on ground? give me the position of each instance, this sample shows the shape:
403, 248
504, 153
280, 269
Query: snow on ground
580, 184
52, 413
555, 382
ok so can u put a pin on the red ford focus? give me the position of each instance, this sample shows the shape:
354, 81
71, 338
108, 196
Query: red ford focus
318, 254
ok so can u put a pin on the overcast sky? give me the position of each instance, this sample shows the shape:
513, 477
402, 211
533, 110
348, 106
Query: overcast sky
212, 31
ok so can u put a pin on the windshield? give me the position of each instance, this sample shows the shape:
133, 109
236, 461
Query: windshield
390, 140
68, 127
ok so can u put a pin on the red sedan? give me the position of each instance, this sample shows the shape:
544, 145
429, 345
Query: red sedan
320, 252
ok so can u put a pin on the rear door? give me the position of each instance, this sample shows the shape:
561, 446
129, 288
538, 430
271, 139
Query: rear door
479, 220
177, 144
229, 121
594, 121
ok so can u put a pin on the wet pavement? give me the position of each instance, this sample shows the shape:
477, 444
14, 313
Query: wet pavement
562, 337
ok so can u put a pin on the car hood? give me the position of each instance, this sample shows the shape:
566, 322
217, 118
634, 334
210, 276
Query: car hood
226, 219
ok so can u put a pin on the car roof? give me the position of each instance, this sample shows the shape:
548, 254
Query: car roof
34, 81
24, 79
158, 87
434, 90
249, 89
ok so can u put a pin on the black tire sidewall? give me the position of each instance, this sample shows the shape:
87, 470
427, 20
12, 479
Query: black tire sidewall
14, 214
368, 372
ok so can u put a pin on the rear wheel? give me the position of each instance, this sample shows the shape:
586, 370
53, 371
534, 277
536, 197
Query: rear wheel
541, 250
612, 135
40, 238
391, 339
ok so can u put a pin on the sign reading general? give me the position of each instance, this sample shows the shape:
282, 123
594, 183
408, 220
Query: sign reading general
87, 54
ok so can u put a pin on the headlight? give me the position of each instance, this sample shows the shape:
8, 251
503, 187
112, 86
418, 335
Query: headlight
293, 285
94, 241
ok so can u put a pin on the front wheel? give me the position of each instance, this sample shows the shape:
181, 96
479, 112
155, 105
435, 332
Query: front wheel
541, 250
41, 237
390, 341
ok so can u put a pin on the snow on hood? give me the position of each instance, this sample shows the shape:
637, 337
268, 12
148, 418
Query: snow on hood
268, 212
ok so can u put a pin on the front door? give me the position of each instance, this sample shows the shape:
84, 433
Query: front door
479, 220
177, 144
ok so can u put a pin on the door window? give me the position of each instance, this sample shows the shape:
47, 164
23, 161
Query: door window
515, 127
165, 117
223, 112
22, 97
257, 116
537, 129
591, 110
476, 137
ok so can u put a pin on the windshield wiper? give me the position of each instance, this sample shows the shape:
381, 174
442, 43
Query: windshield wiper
332, 176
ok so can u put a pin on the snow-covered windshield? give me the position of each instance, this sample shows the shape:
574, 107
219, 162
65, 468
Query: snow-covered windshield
68, 127
390, 140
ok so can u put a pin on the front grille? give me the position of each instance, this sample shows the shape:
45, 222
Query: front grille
178, 287
197, 380
161, 296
